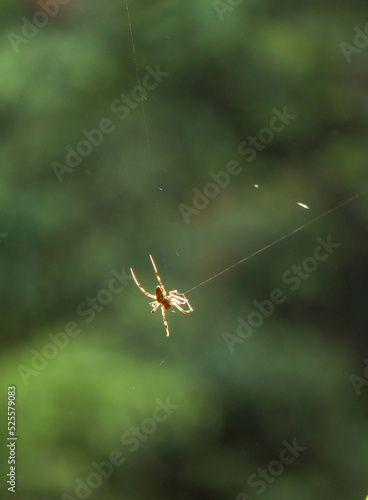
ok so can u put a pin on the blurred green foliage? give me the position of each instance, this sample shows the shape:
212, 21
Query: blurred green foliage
65, 240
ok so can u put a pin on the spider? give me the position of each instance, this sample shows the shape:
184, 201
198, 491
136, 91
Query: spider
173, 298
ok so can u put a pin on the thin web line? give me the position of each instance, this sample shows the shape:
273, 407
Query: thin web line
346, 202
142, 103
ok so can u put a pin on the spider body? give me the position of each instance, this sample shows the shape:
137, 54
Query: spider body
161, 298
166, 301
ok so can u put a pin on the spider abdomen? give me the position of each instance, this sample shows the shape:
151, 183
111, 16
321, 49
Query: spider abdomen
159, 294
160, 297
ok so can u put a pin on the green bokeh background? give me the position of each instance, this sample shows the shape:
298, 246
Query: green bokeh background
65, 240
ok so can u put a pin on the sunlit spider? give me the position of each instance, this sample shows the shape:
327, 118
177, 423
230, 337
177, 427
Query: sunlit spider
163, 299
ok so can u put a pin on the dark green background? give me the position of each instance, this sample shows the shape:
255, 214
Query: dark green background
290, 379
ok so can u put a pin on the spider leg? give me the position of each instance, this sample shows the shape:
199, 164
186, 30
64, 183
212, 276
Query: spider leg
187, 301
175, 304
154, 306
141, 287
164, 318
157, 276
178, 298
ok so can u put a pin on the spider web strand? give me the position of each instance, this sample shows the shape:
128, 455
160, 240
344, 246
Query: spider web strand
337, 207
142, 103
